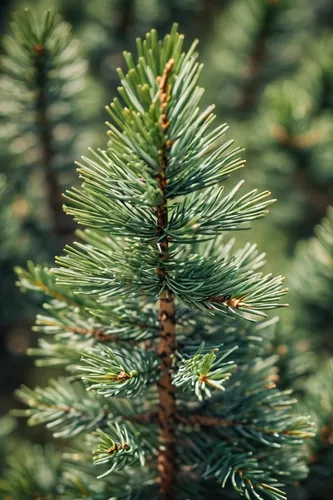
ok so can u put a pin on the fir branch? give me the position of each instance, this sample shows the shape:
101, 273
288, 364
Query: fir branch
119, 447
113, 372
39, 278
204, 371
245, 473
294, 433
199, 282
205, 215
109, 274
65, 355
64, 408
254, 474
62, 324
68, 410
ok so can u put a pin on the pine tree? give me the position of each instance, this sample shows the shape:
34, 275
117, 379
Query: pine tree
73, 101
295, 116
271, 68
42, 78
253, 44
152, 314
312, 280
304, 345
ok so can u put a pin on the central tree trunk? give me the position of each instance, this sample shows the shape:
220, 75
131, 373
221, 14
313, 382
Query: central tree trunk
166, 313
167, 396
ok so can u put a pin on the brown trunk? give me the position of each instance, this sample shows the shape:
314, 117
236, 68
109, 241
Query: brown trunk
167, 337
254, 67
126, 14
167, 397
205, 18
62, 226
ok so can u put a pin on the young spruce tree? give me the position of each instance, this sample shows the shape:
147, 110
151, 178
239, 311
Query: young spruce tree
153, 314
304, 345
43, 76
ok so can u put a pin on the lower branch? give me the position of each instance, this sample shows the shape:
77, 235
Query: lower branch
203, 421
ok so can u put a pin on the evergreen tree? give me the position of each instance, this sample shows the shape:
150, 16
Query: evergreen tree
303, 342
253, 44
152, 314
271, 68
42, 78
312, 283
294, 126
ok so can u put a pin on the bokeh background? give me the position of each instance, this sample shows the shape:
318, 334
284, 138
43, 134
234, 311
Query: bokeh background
268, 67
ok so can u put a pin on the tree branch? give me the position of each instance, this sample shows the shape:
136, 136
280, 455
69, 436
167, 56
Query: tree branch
204, 421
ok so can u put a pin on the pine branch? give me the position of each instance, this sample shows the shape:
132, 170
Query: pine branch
247, 475
68, 410
299, 429
209, 214
62, 407
39, 278
72, 314
112, 374
204, 371
119, 446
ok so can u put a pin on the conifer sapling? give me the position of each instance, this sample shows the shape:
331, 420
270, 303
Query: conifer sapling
153, 314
